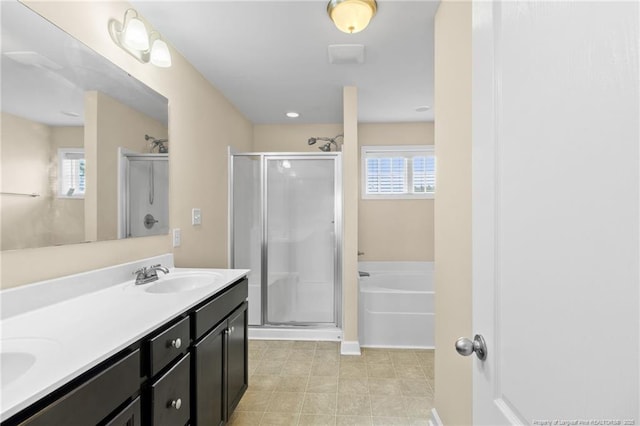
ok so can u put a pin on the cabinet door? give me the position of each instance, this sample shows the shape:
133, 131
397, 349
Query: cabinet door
208, 377
129, 416
237, 353
170, 396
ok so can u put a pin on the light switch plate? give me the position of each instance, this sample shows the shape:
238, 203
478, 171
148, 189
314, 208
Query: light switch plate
177, 237
196, 217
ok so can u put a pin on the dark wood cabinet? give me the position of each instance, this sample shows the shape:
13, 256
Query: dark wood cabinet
209, 406
237, 354
94, 400
170, 395
220, 369
192, 370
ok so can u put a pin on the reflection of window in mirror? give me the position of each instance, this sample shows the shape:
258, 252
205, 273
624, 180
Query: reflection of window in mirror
71, 173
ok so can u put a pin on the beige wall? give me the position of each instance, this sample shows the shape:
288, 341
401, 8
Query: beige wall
25, 151
201, 125
67, 221
453, 387
395, 230
116, 125
291, 137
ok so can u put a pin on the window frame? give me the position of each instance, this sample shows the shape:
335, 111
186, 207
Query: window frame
62, 153
408, 152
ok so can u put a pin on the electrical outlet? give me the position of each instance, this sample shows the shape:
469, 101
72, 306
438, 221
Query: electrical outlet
177, 237
196, 217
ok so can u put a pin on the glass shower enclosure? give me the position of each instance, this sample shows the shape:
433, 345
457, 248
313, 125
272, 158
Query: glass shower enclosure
286, 227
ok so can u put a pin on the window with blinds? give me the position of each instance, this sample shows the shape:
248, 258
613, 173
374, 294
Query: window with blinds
71, 173
398, 172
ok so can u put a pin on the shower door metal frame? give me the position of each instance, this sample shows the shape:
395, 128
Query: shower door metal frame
336, 157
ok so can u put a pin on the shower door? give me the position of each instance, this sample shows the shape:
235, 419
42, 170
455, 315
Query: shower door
300, 232
286, 225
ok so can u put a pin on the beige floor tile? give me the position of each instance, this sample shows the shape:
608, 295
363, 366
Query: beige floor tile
322, 384
305, 345
388, 421
254, 401
418, 421
318, 420
301, 355
416, 388
245, 418
353, 369
257, 345
325, 346
353, 385
319, 403
296, 368
404, 357
387, 406
354, 405
259, 382
418, 407
377, 357
409, 371
326, 355
382, 371
281, 344
292, 384
283, 419
321, 368
269, 367
381, 386
285, 402
353, 421
276, 354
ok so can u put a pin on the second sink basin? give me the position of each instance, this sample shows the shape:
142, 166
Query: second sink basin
19, 356
183, 281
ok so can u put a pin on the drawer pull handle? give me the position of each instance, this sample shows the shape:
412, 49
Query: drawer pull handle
230, 330
176, 343
176, 403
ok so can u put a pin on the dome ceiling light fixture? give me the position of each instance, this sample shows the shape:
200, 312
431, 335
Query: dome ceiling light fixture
351, 16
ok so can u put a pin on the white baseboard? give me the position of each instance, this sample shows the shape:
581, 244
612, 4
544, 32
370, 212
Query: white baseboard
435, 419
292, 333
350, 348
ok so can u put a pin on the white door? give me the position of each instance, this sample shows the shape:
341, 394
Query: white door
556, 212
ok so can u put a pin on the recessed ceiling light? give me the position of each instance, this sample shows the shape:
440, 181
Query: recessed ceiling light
423, 108
70, 113
292, 114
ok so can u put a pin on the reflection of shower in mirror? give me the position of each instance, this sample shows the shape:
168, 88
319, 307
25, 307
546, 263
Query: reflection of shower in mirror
157, 143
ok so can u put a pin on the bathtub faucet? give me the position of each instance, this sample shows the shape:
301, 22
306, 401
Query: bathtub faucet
364, 274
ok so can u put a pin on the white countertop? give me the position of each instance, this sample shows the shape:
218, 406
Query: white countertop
74, 335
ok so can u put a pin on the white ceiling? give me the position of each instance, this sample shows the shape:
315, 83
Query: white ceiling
270, 57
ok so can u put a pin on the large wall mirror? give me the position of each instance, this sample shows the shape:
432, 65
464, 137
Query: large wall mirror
84, 149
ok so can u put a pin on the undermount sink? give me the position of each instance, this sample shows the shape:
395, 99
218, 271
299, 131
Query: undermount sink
19, 356
182, 281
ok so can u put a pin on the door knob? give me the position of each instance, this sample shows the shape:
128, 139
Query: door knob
466, 347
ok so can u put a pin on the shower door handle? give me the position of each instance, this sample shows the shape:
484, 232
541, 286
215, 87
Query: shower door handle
466, 347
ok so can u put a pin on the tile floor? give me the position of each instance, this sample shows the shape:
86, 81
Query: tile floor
310, 383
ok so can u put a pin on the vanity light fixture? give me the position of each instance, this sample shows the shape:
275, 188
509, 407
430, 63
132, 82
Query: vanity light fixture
352, 16
132, 36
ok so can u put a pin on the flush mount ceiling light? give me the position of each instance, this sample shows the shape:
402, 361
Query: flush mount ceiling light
351, 16
132, 36
292, 114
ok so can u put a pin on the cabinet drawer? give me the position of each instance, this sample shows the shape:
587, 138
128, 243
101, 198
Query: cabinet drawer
170, 396
92, 401
168, 345
129, 416
215, 311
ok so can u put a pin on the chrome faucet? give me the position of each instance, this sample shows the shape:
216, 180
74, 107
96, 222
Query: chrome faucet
149, 274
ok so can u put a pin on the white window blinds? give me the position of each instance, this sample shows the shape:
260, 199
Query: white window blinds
71, 173
398, 171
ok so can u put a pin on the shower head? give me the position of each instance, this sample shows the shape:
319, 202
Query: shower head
326, 147
311, 141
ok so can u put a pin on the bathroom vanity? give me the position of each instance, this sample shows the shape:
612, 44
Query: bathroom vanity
171, 352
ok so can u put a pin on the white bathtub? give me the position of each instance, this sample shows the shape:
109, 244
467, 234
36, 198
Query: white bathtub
397, 305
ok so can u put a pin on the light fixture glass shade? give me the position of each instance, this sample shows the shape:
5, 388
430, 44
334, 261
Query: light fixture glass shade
160, 55
135, 35
351, 16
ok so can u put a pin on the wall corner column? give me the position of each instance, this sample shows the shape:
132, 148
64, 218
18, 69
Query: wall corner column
350, 179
